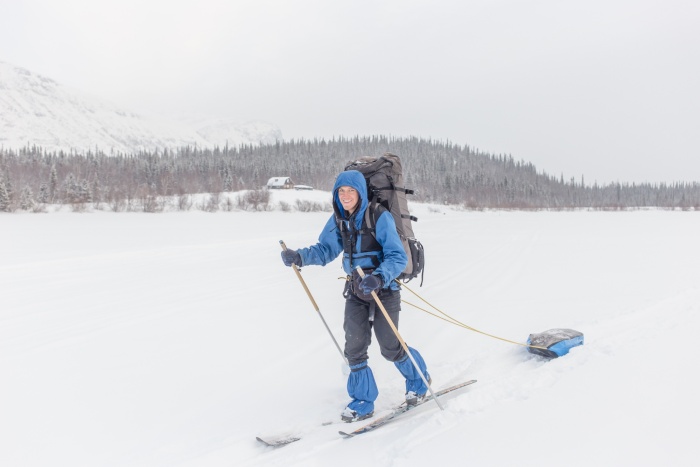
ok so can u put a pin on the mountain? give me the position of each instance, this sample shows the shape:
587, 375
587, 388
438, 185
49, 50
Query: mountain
219, 131
37, 110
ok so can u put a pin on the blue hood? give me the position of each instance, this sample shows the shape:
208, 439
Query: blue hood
356, 180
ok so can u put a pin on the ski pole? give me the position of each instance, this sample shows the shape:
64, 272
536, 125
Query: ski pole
313, 302
403, 343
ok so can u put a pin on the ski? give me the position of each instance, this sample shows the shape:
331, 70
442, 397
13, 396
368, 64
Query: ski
381, 421
277, 442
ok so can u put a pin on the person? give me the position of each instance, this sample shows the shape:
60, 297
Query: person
382, 258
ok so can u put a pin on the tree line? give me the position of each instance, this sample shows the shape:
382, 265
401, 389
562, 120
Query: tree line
438, 171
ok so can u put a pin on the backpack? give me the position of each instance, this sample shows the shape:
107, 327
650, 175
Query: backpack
385, 188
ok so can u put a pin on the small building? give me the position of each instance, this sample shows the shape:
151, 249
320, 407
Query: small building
280, 183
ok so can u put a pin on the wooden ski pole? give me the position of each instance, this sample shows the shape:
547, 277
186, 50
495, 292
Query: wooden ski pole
403, 343
313, 302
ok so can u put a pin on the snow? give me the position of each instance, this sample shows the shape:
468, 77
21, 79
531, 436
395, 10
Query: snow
37, 110
173, 339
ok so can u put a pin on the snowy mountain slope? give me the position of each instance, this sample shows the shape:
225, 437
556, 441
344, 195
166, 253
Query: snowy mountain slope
174, 339
221, 131
36, 110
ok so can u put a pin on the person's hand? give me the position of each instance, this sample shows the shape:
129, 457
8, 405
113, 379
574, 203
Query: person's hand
371, 283
290, 257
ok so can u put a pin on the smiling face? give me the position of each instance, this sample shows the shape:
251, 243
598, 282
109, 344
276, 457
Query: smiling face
349, 198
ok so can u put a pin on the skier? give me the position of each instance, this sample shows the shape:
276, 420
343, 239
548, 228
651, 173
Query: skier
382, 259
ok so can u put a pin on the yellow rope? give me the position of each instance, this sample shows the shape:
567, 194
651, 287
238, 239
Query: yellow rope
456, 322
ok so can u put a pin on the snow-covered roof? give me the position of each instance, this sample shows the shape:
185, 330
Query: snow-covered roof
279, 181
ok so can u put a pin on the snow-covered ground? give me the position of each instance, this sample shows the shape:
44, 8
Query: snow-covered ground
36, 110
174, 339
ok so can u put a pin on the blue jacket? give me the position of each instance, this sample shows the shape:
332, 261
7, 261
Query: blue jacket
392, 258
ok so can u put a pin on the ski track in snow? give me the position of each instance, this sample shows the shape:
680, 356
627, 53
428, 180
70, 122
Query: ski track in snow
175, 339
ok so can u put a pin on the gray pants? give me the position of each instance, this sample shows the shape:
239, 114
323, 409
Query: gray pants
358, 326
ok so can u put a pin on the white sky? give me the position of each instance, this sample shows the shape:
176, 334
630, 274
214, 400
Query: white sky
607, 89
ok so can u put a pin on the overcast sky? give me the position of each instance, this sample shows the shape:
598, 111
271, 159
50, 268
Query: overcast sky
607, 89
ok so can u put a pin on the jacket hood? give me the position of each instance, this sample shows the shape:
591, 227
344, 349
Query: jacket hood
356, 180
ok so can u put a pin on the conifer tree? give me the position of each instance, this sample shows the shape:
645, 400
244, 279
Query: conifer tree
43, 193
53, 183
4, 197
26, 199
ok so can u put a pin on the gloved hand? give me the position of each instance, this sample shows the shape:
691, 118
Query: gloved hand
290, 257
371, 283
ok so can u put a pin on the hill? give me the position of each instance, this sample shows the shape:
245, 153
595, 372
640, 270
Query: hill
438, 171
37, 111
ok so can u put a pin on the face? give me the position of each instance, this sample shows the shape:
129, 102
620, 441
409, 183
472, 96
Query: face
348, 198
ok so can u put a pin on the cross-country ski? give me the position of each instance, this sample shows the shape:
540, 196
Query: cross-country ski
403, 408
277, 442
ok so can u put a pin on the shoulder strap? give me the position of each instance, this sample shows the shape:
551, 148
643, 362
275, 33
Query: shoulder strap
372, 213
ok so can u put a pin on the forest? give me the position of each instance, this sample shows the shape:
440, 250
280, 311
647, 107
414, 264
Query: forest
438, 171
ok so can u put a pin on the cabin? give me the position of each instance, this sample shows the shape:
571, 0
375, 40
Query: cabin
280, 183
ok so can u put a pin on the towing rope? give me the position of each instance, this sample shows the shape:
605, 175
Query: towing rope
456, 322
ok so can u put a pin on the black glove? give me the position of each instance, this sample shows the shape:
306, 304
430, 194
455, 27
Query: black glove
371, 283
290, 257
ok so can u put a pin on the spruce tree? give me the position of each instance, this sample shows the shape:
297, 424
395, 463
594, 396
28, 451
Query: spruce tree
4, 197
26, 199
53, 183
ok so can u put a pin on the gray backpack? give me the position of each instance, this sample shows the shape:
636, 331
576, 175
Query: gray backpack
384, 178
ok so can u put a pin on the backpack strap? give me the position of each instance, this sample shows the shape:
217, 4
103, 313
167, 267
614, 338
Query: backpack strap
372, 213
349, 235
